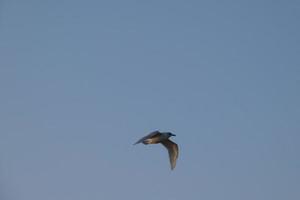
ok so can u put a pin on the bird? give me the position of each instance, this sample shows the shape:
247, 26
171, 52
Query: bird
156, 137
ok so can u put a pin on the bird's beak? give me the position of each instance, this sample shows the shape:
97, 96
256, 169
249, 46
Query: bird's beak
173, 134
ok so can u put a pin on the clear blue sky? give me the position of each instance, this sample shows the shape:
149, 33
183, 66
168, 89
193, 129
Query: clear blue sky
81, 81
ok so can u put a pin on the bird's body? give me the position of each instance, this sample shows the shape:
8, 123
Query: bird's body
163, 138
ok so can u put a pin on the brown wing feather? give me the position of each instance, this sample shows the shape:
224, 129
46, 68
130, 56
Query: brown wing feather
150, 135
173, 151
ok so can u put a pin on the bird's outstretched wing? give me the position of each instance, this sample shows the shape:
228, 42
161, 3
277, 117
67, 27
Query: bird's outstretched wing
173, 151
150, 135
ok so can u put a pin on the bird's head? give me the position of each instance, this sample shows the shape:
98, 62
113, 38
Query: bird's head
170, 134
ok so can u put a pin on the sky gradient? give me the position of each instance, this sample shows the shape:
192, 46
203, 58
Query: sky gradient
81, 81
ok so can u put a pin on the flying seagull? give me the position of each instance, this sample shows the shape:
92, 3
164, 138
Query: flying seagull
156, 137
